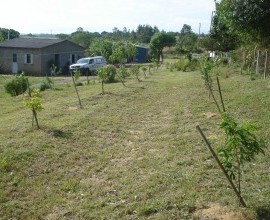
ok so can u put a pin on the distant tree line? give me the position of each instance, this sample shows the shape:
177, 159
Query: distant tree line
121, 42
8, 33
142, 35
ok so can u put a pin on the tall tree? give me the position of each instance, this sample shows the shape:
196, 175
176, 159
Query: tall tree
186, 29
1, 37
206, 42
83, 38
187, 40
145, 32
246, 16
62, 36
130, 51
158, 42
101, 47
118, 53
225, 40
8, 33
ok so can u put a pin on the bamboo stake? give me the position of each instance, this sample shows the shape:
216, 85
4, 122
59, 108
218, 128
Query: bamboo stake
220, 95
241, 200
80, 103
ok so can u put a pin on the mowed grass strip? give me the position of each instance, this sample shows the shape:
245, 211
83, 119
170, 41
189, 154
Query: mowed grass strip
131, 153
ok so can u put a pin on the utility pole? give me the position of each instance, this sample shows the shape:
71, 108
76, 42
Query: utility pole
200, 29
211, 20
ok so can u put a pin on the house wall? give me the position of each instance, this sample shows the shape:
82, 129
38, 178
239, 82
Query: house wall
61, 55
42, 59
33, 68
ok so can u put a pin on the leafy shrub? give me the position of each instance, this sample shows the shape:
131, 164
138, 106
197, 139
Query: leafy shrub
106, 74
17, 86
76, 74
167, 64
109, 73
185, 65
135, 70
122, 74
193, 65
171, 67
33, 101
182, 65
222, 60
79, 84
44, 85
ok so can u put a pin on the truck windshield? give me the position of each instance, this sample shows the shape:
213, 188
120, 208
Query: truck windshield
84, 60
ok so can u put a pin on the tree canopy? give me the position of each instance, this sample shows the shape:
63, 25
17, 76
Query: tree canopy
187, 40
159, 41
145, 32
246, 16
223, 39
5, 33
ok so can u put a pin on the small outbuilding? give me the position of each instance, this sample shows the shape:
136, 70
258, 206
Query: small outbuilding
35, 56
142, 55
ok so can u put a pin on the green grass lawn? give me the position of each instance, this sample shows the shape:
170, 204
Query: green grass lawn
133, 153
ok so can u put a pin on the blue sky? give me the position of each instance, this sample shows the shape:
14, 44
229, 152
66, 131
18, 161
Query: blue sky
65, 16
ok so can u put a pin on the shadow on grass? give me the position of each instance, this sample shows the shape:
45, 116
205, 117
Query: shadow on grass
58, 89
135, 87
60, 134
263, 213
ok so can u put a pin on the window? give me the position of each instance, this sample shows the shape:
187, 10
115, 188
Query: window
28, 59
14, 58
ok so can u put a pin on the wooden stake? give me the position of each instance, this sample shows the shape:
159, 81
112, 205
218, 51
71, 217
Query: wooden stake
80, 103
241, 200
220, 95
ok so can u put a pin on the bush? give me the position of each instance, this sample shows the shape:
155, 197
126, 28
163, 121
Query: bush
182, 65
17, 86
79, 84
111, 73
185, 65
44, 85
193, 65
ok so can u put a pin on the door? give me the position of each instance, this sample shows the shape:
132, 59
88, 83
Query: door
14, 64
57, 60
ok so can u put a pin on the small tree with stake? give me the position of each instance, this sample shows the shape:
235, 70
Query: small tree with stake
32, 101
241, 144
106, 74
135, 70
122, 74
144, 69
75, 75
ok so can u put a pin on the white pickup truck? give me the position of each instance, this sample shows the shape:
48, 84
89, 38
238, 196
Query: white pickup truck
89, 64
